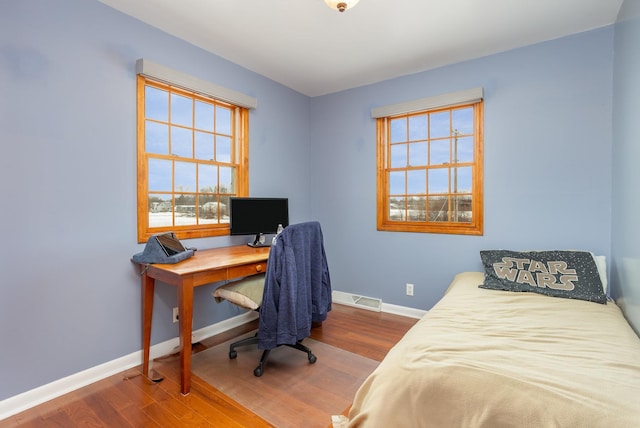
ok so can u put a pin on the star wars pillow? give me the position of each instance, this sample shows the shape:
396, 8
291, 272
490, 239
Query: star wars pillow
566, 274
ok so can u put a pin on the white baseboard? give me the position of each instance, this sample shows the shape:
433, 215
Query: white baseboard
403, 310
41, 394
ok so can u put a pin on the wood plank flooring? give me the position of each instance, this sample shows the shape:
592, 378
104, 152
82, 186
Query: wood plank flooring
129, 400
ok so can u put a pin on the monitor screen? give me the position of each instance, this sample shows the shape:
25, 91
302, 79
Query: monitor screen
256, 216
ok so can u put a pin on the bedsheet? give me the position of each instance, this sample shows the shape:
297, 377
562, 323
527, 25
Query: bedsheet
490, 358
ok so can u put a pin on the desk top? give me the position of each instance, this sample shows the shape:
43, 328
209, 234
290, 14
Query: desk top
213, 259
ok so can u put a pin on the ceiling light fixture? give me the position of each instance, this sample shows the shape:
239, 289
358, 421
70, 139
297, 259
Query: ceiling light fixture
341, 5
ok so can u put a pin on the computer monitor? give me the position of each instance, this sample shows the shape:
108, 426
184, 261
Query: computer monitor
257, 216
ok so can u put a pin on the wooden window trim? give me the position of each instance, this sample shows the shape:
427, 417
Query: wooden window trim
241, 154
475, 227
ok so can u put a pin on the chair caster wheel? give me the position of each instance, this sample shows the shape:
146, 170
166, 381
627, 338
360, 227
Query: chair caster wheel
312, 358
257, 372
233, 354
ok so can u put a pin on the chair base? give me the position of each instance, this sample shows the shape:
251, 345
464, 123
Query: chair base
265, 354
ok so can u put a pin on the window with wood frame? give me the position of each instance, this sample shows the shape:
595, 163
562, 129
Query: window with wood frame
430, 168
192, 157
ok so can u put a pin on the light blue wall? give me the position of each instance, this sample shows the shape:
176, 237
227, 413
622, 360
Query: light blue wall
625, 268
547, 167
69, 297
67, 174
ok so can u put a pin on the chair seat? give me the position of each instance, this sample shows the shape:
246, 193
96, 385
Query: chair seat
246, 292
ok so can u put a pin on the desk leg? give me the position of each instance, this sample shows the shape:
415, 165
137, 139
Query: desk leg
185, 308
148, 287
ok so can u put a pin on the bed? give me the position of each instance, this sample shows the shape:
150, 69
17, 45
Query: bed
494, 358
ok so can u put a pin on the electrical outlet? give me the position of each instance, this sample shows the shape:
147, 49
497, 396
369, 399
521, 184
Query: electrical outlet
409, 289
175, 314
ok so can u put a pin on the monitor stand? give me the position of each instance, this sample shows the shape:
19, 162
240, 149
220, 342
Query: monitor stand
259, 241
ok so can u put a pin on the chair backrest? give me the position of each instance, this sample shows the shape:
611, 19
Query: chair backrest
297, 287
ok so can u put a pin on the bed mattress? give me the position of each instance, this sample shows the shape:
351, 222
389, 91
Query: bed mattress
489, 358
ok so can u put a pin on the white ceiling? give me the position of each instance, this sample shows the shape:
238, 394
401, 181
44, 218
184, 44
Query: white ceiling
315, 50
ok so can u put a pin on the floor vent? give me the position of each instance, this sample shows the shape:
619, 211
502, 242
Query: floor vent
369, 303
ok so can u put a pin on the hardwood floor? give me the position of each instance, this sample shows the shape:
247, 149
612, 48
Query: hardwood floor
129, 400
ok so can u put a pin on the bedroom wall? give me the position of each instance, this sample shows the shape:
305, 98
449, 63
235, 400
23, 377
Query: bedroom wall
625, 243
69, 296
547, 167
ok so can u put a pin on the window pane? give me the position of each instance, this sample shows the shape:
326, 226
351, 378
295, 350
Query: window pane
438, 208
464, 147
418, 127
462, 120
398, 129
461, 180
160, 210
185, 213
440, 126
185, 177
204, 116
224, 209
156, 138
156, 104
207, 178
223, 149
417, 209
181, 110
440, 154
223, 120
418, 154
397, 209
462, 209
439, 180
204, 146
181, 142
159, 175
398, 156
210, 209
397, 183
417, 182
227, 179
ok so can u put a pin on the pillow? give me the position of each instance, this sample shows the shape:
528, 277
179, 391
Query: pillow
567, 274
246, 292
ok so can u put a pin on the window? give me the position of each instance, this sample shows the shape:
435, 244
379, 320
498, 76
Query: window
430, 170
192, 157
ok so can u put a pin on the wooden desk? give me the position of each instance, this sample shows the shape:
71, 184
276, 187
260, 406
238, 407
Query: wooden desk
205, 267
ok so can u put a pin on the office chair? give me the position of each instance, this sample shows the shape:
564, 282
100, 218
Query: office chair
293, 294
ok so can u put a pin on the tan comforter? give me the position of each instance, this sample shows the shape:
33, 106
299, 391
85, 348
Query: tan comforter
486, 358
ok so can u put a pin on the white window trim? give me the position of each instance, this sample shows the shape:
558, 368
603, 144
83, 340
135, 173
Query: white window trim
185, 81
450, 99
